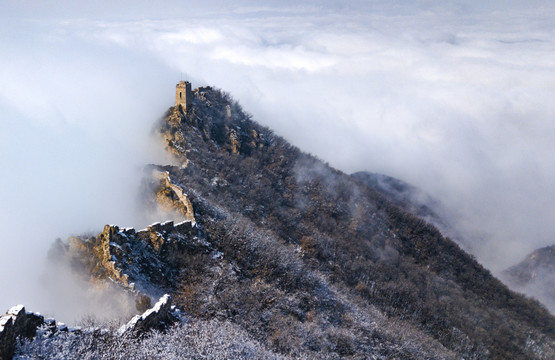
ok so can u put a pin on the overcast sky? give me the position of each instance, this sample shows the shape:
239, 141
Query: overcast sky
453, 97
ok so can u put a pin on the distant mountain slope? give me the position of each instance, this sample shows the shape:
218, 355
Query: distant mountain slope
535, 275
302, 259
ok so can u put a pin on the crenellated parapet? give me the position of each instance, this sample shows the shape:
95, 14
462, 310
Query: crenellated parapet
145, 261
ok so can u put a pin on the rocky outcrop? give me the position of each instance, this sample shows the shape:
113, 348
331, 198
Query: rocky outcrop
158, 317
170, 197
216, 118
141, 262
17, 323
172, 137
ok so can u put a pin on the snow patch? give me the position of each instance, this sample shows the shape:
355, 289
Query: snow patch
163, 303
14, 311
115, 245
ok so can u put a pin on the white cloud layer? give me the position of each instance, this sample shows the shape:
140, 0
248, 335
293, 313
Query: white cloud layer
453, 97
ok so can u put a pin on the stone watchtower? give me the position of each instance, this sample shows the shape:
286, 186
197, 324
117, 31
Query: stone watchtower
183, 95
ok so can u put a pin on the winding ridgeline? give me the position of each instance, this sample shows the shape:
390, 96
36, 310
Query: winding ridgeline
273, 254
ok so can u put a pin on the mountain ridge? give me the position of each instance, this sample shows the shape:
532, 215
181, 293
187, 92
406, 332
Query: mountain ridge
308, 261
429, 250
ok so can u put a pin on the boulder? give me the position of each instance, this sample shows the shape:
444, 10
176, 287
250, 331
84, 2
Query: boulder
158, 317
17, 323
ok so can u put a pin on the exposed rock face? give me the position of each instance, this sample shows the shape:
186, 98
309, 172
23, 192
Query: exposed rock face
17, 323
158, 317
173, 137
142, 262
171, 197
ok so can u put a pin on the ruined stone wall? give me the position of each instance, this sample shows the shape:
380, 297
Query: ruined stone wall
183, 94
17, 323
170, 197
